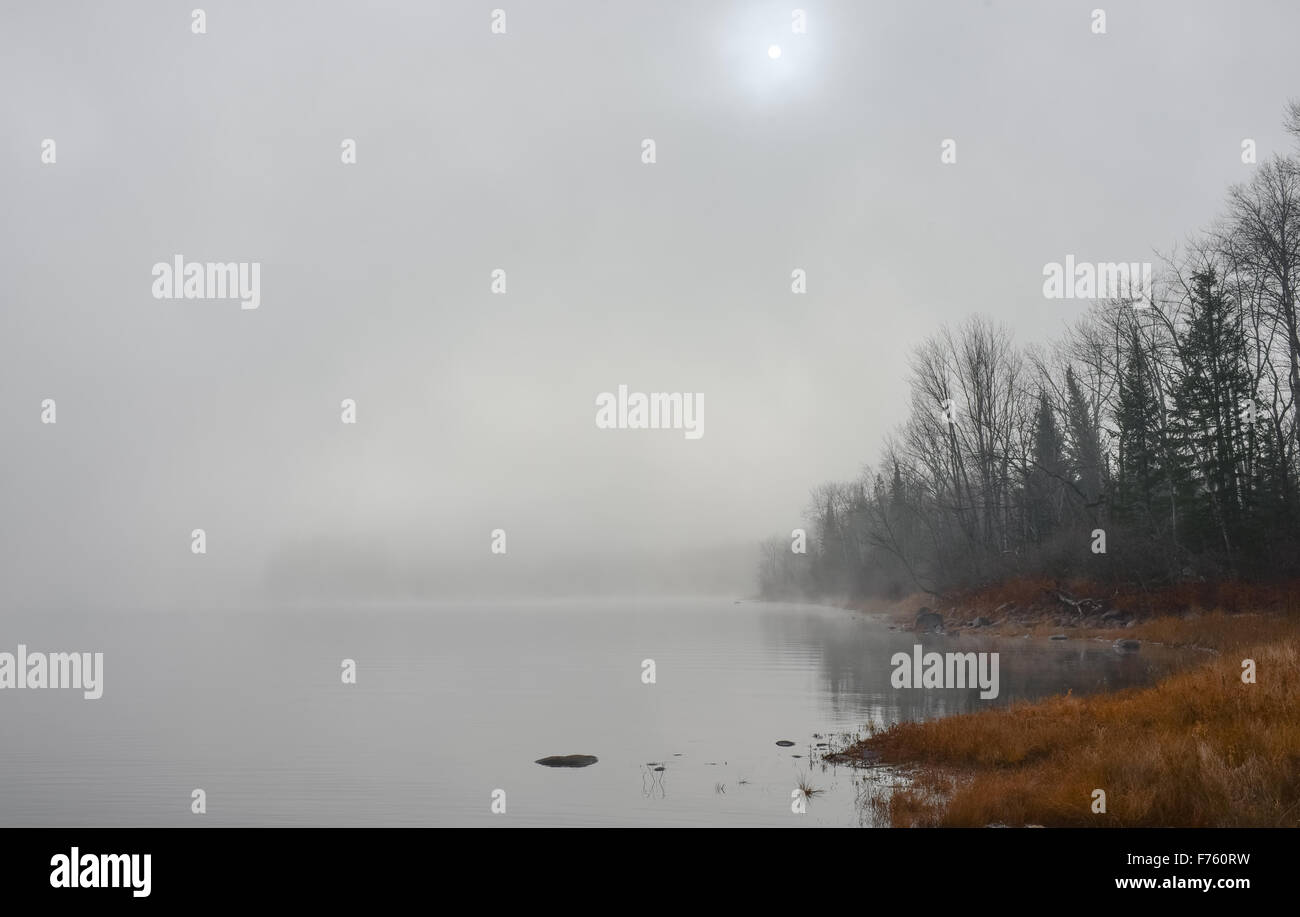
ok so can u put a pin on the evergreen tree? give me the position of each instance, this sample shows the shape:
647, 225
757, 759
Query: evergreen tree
1142, 468
1209, 439
1044, 485
1085, 445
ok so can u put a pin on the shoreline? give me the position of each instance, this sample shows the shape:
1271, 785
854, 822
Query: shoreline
1213, 744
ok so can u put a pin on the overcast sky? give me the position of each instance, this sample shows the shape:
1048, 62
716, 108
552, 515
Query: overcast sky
522, 151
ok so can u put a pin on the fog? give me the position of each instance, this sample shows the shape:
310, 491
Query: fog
523, 152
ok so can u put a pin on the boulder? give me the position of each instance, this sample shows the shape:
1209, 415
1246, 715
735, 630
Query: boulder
567, 761
927, 621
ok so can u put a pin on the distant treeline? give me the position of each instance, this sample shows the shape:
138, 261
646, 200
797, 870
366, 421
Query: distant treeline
1155, 442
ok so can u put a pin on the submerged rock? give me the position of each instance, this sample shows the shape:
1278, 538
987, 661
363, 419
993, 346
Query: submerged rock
1126, 645
567, 761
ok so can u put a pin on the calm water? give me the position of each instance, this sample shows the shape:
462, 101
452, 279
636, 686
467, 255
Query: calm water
453, 702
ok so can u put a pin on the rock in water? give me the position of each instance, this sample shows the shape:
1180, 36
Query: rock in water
568, 761
1124, 645
927, 620
785, 743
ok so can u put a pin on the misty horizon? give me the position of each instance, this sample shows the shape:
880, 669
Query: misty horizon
476, 410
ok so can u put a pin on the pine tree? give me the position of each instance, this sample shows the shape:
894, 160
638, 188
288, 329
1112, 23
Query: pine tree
1209, 439
1044, 484
1142, 467
1085, 445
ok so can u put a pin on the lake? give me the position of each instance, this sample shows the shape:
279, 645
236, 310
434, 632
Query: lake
455, 701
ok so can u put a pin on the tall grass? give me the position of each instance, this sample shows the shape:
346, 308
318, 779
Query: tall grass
1201, 748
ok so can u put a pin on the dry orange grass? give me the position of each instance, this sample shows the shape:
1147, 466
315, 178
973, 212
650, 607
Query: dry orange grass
1209, 615
1214, 631
1231, 596
1198, 749
1217, 631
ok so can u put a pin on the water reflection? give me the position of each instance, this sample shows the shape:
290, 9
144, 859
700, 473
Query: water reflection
454, 701
652, 782
855, 653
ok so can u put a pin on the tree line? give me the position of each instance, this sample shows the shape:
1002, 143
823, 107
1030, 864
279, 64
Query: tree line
1155, 441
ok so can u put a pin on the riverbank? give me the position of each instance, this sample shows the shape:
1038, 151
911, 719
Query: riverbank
1202, 747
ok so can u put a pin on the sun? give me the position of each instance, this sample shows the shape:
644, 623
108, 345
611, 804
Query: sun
774, 51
